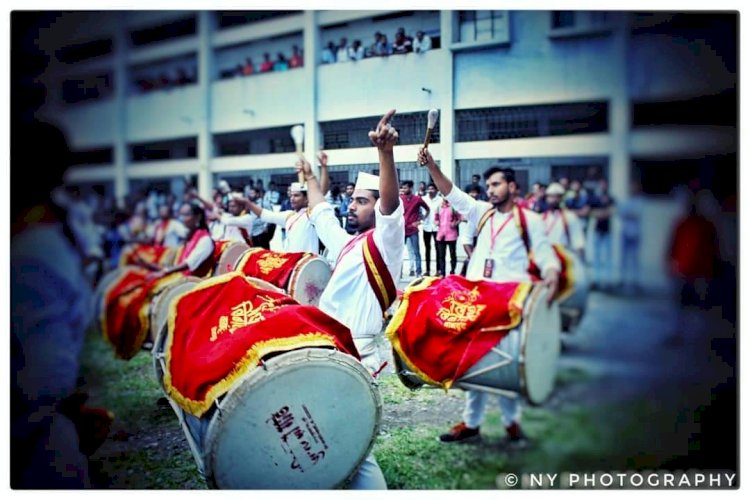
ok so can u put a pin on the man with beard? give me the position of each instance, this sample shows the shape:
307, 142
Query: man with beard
500, 254
362, 285
562, 226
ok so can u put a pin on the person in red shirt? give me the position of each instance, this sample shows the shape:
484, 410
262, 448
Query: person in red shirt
412, 218
296, 60
248, 68
267, 64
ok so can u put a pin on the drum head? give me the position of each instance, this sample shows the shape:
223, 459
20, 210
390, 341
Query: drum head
159, 320
541, 346
264, 285
229, 258
160, 304
306, 420
308, 281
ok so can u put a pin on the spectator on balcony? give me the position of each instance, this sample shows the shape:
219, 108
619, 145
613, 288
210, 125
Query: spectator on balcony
281, 63
296, 60
422, 43
401, 44
329, 54
248, 68
380, 47
267, 64
342, 53
356, 51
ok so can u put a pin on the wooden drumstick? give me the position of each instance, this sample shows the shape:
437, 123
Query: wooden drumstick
298, 136
432, 117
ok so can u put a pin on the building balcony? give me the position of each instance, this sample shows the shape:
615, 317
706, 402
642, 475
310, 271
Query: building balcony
177, 112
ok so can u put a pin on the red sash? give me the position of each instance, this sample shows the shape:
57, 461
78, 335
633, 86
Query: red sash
206, 267
378, 275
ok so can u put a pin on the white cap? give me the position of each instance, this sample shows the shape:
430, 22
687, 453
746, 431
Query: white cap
555, 189
296, 187
223, 186
367, 181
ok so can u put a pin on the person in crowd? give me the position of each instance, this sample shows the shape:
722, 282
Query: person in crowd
272, 196
346, 200
356, 51
267, 65
342, 51
296, 61
602, 209
631, 216
401, 43
422, 43
166, 231
412, 204
329, 54
447, 220
248, 68
430, 225
281, 63
422, 189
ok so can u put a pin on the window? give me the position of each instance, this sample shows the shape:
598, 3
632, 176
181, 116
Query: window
154, 34
85, 88
175, 149
253, 142
718, 173
483, 26
96, 156
565, 23
489, 124
343, 134
719, 109
232, 18
82, 51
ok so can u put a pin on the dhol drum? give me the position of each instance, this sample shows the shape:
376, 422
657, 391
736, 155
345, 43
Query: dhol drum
523, 363
573, 306
306, 419
306, 281
229, 258
101, 288
136, 253
159, 308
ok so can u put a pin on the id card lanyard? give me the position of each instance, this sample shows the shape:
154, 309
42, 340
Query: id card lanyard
489, 262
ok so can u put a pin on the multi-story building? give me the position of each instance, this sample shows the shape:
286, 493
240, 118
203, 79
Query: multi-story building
148, 98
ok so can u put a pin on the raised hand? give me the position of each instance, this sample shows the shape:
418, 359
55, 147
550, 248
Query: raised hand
303, 166
323, 158
424, 158
384, 136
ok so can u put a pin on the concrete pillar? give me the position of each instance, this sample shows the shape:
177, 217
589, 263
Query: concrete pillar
205, 76
445, 100
120, 81
619, 127
309, 115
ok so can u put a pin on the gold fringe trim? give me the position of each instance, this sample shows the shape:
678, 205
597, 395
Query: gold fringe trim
245, 365
569, 266
378, 279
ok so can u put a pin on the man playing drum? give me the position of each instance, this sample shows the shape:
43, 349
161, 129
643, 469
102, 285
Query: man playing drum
501, 253
362, 285
300, 233
560, 225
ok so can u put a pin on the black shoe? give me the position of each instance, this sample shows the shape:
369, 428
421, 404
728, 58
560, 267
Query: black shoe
459, 433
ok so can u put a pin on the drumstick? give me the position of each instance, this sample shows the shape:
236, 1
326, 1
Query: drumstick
298, 136
432, 117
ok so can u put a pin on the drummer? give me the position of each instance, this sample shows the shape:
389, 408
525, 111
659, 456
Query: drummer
300, 233
194, 257
499, 254
562, 226
368, 264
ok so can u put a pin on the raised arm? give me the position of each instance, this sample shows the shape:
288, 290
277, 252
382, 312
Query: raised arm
384, 137
315, 195
250, 205
443, 184
323, 159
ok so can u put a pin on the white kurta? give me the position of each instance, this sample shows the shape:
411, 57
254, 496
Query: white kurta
510, 257
174, 233
300, 232
429, 223
555, 229
348, 297
202, 250
233, 223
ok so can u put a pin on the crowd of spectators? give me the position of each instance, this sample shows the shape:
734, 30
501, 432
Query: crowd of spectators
267, 65
167, 80
380, 47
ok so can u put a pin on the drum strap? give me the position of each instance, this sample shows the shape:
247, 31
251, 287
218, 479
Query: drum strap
523, 228
378, 274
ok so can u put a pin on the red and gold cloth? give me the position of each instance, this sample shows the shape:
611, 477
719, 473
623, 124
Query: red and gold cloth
219, 331
443, 326
566, 283
272, 267
125, 320
138, 253
206, 268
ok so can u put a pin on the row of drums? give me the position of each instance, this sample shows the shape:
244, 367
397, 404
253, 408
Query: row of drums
307, 418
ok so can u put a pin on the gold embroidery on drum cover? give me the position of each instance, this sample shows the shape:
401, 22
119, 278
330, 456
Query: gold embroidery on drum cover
270, 262
243, 314
459, 309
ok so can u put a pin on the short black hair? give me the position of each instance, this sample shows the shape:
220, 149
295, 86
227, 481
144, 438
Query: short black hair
508, 174
407, 183
431, 185
349, 184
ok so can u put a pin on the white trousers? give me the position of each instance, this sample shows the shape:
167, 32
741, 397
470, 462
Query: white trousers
369, 476
476, 403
